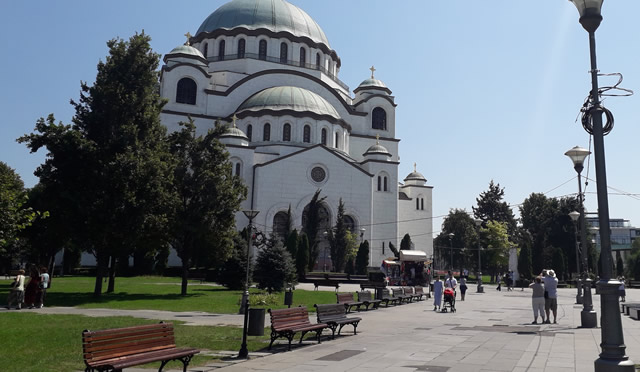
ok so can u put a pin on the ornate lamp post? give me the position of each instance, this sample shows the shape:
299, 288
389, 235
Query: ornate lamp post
244, 352
451, 235
480, 288
574, 217
612, 357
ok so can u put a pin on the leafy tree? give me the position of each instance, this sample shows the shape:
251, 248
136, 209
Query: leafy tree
349, 267
459, 223
338, 240
491, 207
292, 243
619, 264
14, 213
406, 243
204, 198
302, 256
524, 258
362, 258
233, 272
536, 213
311, 225
112, 163
498, 245
274, 268
559, 263
393, 249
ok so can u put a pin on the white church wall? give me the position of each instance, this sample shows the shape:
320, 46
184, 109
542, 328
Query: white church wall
384, 207
418, 223
169, 87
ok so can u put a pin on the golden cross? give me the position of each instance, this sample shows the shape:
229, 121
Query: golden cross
414, 167
377, 139
188, 35
234, 118
373, 69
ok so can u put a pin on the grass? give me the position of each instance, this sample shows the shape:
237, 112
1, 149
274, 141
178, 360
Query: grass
160, 293
42, 342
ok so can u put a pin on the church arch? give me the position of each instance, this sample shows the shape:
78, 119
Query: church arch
262, 49
241, 47
284, 52
379, 119
323, 136
286, 132
205, 50
303, 57
266, 132
350, 223
221, 50
306, 135
249, 132
318, 58
383, 182
280, 228
186, 91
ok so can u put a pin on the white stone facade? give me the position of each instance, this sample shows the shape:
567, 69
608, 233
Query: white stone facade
358, 159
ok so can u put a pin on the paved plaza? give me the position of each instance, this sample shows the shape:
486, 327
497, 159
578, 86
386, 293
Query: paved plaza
489, 332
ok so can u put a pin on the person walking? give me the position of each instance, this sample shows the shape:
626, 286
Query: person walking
463, 287
537, 299
16, 295
32, 291
499, 288
621, 291
551, 295
438, 288
44, 284
451, 282
509, 281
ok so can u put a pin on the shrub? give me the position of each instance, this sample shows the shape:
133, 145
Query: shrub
234, 271
274, 268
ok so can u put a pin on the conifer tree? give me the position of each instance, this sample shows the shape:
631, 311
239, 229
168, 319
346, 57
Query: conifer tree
302, 256
362, 258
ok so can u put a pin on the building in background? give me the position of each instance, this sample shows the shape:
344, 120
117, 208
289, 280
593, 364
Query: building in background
622, 235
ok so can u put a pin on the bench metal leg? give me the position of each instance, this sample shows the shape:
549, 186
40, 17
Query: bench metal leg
185, 362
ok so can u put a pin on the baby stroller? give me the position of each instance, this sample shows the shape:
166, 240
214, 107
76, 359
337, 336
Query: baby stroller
449, 300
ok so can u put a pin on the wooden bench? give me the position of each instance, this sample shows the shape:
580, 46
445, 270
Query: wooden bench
287, 322
326, 283
335, 316
367, 300
626, 306
346, 299
409, 291
399, 293
387, 298
118, 348
420, 291
11, 274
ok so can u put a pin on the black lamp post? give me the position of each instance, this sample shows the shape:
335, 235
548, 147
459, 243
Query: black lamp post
451, 235
244, 352
574, 217
613, 356
480, 288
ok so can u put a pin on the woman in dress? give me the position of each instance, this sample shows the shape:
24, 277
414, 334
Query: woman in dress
32, 292
438, 288
463, 287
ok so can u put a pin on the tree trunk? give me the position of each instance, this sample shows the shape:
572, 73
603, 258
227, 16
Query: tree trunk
185, 276
112, 275
101, 266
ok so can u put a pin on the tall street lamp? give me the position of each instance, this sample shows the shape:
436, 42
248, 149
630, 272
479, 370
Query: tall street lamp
574, 217
244, 352
613, 356
588, 317
480, 288
451, 235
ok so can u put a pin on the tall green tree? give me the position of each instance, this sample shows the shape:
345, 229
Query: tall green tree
119, 175
492, 207
619, 264
405, 243
338, 240
524, 241
15, 214
453, 247
302, 256
311, 226
204, 198
498, 245
362, 258
274, 268
292, 243
394, 250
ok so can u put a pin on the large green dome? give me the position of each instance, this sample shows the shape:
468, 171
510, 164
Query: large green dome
289, 98
273, 15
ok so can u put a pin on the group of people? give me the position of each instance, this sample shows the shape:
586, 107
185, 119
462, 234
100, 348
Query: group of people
449, 282
544, 297
508, 280
34, 293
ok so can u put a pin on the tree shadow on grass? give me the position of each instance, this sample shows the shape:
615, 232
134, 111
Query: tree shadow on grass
78, 299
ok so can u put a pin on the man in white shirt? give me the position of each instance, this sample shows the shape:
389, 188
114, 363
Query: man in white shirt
551, 295
451, 282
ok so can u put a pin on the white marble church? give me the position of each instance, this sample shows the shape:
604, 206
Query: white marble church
267, 69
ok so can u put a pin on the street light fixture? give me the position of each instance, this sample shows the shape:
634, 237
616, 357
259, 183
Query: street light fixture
613, 356
574, 217
480, 288
244, 352
324, 257
451, 235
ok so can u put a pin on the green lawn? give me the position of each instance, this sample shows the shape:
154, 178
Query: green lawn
159, 293
41, 342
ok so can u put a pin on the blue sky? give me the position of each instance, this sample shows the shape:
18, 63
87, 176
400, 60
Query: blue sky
485, 90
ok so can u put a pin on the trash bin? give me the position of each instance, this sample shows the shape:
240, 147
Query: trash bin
288, 297
256, 322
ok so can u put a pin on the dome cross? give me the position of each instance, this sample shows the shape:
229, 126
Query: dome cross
377, 138
188, 35
415, 169
373, 69
233, 119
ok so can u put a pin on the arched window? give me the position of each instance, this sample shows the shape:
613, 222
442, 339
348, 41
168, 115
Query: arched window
306, 136
186, 91
238, 169
241, 48
385, 184
262, 50
422, 203
221, 48
266, 133
349, 223
205, 51
280, 228
417, 203
249, 132
336, 140
303, 57
284, 52
318, 61
379, 183
323, 139
379, 119
286, 133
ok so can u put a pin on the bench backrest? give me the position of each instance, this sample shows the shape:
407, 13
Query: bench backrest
325, 311
418, 290
119, 342
365, 296
344, 297
397, 292
385, 293
291, 316
408, 290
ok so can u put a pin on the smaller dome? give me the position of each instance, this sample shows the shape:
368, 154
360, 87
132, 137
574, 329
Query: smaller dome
415, 176
372, 83
234, 132
377, 149
186, 49
291, 98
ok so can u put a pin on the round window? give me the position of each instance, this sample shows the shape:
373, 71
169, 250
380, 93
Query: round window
318, 174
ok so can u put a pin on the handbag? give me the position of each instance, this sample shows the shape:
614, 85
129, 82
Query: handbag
546, 294
14, 284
